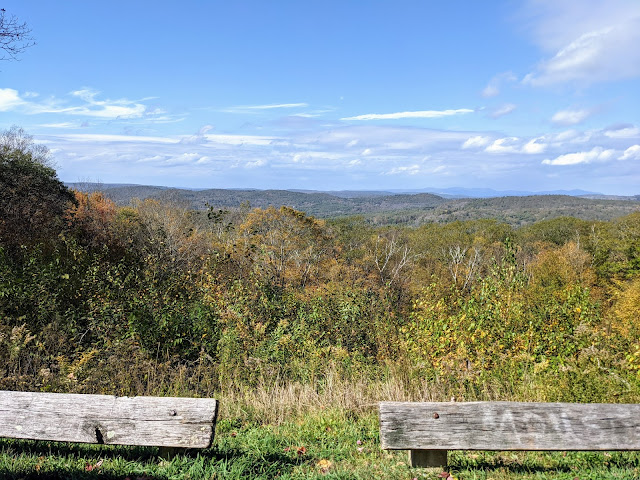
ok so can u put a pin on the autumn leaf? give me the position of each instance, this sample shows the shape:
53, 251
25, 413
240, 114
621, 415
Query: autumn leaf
324, 465
95, 466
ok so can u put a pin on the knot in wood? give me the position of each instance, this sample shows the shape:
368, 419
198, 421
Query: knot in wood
435, 415
173, 413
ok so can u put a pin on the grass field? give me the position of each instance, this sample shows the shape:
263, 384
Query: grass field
329, 444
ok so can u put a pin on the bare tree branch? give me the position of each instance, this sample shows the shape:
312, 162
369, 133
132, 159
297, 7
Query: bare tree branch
15, 36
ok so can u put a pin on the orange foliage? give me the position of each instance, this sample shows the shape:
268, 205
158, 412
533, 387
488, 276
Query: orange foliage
92, 217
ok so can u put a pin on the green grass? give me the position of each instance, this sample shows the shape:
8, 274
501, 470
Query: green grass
336, 446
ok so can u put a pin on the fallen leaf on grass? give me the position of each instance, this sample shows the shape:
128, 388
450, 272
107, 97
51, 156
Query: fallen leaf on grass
324, 465
95, 466
299, 450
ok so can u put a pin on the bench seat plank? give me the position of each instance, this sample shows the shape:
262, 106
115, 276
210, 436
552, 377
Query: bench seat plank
83, 418
509, 426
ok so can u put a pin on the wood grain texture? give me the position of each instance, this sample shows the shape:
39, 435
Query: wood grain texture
149, 421
509, 426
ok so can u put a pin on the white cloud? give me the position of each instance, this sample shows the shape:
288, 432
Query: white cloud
257, 108
276, 105
240, 139
409, 170
631, 153
417, 114
566, 135
570, 117
256, 163
505, 109
534, 146
594, 155
60, 125
105, 138
516, 145
590, 41
625, 132
9, 99
503, 145
477, 141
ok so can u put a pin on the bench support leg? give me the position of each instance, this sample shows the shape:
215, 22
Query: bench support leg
428, 458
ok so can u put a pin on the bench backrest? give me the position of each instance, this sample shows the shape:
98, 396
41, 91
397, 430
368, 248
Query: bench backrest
150, 421
509, 426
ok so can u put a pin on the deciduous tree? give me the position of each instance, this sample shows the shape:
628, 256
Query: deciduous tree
15, 36
33, 199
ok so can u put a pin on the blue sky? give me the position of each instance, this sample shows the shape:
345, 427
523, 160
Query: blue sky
330, 95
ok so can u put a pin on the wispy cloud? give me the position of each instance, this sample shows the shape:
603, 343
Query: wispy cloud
477, 141
417, 114
61, 125
494, 86
259, 108
570, 117
407, 170
276, 105
106, 138
503, 110
590, 41
89, 105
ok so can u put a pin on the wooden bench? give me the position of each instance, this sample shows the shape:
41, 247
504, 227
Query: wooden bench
429, 430
167, 422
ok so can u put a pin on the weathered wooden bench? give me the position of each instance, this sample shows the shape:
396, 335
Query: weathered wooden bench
429, 430
167, 422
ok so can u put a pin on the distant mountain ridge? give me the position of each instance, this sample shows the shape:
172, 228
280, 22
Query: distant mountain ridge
455, 192
386, 208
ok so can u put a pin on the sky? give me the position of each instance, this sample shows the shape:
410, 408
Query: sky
333, 95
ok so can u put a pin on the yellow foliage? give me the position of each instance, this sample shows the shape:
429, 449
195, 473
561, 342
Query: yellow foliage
557, 267
627, 310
